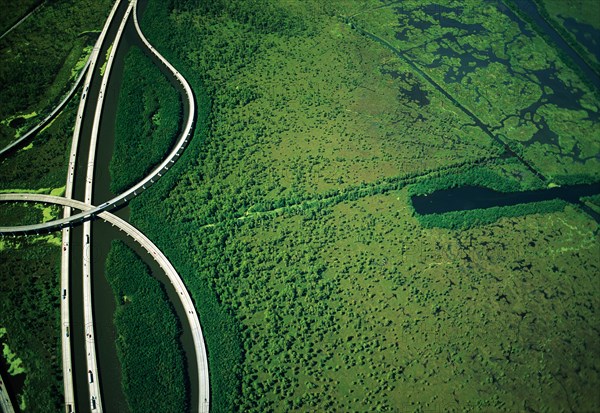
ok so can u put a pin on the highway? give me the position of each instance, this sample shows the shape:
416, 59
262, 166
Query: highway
161, 259
88, 317
5, 403
14, 145
69, 393
145, 182
89, 211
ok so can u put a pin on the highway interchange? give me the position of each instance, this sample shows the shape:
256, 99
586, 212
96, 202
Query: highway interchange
89, 211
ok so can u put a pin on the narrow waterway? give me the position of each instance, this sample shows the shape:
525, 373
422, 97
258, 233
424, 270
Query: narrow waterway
110, 373
530, 9
472, 197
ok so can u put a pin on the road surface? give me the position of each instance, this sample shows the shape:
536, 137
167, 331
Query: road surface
5, 403
145, 182
88, 315
161, 259
69, 393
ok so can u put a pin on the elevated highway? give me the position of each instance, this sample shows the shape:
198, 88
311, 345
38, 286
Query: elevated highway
163, 262
69, 392
88, 316
5, 402
146, 182
89, 211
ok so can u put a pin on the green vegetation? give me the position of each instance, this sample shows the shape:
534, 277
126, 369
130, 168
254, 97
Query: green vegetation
504, 73
593, 202
288, 215
15, 364
460, 220
45, 164
14, 11
29, 311
148, 331
473, 177
38, 58
148, 118
288, 219
585, 12
26, 214
17, 213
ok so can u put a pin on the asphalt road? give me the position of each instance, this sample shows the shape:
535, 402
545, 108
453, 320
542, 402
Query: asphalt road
5, 403
161, 259
89, 211
146, 182
69, 392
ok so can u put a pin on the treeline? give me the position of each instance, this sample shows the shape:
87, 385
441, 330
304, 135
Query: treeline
418, 179
30, 312
263, 16
576, 179
147, 122
148, 333
477, 176
14, 11
461, 220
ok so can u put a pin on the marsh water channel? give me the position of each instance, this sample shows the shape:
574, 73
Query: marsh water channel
473, 197
103, 234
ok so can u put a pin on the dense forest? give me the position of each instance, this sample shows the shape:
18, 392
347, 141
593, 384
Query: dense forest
148, 118
291, 206
29, 311
289, 214
49, 153
148, 335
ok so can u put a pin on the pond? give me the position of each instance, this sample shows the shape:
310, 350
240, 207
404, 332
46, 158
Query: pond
473, 197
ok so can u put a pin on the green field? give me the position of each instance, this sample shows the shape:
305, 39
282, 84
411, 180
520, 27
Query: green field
289, 215
293, 208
